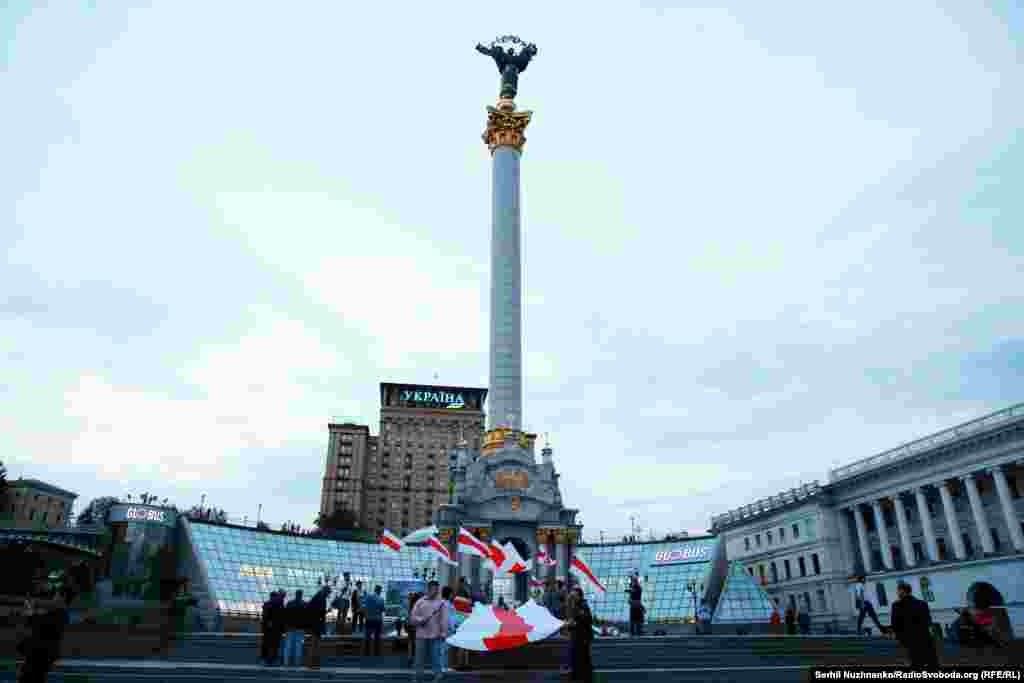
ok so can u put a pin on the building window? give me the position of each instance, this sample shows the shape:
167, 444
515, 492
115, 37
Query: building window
750, 570
746, 543
815, 563
775, 573
782, 534
995, 539
769, 536
1011, 483
940, 543
909, 513
968, 546
788, 570
918, 553
792, 600
796, 531
807, 602
887, 517
760, 570
931, 509
880, 592
822, 602
757, 540
803, 566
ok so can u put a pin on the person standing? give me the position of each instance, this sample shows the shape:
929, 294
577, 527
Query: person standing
295, 623
316, 623
358, 618
447, 595
410, 628
267, 626
704, 617
803, 620
911, 624
636, 617
582, 638
373, 609
343, 601
790, 621
430, 618
864, 608
551, 600
569, 615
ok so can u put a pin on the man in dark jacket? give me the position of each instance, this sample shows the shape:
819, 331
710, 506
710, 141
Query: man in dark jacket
636, 617
295, 624
273, 628
317, 622
911, 623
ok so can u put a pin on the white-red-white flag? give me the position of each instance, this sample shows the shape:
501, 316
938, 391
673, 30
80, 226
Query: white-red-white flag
544, 559
514, 562
497, 557
581, 568
438, 549
389, 540
490, 628
420, 535
468, 543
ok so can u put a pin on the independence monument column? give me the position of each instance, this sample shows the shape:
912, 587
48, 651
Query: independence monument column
505, 136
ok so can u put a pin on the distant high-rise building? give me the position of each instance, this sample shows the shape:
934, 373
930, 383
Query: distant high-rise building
349, 448
396, 480
34, 503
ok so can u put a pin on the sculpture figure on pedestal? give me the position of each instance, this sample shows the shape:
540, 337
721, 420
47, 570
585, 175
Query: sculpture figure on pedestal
510, 61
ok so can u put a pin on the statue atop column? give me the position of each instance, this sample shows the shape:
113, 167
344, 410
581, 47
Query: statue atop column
512, 56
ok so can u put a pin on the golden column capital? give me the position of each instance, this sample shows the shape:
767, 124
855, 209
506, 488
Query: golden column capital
571, 535
559, 536
543, 536
483, 533
506, 128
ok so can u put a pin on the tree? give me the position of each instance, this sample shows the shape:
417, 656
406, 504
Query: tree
341, 519
95, 513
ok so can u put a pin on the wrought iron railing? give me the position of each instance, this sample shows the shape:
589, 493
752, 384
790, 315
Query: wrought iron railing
907, 450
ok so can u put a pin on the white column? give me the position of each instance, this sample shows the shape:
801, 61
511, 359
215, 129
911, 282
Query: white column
952, 523
848, 551
883, 535
1006, 503
926, 523
862, 538
901, 522
978, 510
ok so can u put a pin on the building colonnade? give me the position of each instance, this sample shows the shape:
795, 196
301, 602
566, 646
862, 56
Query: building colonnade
918, 497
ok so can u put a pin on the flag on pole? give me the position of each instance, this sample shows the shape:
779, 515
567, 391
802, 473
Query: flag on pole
439, 550
497, 558
420, 535
389, 540
514, 562
468, 543
581, 567
544, 559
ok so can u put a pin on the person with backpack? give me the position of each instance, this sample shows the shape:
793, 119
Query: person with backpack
373, 609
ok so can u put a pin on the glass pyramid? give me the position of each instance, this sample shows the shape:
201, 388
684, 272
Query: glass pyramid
742, 601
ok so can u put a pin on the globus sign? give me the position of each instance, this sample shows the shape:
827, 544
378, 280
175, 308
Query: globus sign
688, 553
144, 515
140, 513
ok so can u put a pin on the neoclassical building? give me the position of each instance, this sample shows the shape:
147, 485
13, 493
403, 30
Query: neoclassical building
942, 513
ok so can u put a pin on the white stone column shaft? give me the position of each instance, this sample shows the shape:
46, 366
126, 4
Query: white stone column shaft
849, 551
1006, 503
931, 545
906, 548
883, 535
952, 523
862, 538
978, 511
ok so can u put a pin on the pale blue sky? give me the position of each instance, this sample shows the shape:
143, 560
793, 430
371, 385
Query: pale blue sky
759, 240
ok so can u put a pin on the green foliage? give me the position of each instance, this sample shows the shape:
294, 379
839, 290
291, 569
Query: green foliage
3, 478
95, 513
341, 519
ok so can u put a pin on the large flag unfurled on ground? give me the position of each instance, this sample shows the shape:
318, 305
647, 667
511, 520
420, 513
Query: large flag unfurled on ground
464, 605
581, 568
420, 535
438, 549
468, 543
389, 540
488, 628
